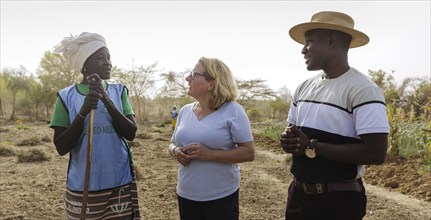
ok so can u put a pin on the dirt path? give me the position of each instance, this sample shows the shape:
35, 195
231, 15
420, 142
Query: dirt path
271, 168
35, 190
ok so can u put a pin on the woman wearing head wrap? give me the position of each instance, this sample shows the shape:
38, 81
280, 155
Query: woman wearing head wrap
112, 185
211, 137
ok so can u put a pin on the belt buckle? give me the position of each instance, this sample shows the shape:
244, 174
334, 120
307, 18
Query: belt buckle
318, 189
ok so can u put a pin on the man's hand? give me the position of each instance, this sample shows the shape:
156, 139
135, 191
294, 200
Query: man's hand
294, 141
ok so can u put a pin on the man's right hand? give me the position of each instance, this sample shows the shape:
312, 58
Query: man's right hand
289, 141
294, 141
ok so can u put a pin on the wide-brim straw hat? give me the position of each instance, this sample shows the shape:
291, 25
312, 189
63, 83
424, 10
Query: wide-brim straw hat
333, 21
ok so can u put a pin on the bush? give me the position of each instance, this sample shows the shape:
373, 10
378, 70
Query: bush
410, 135
254, 114
413, 140
271, 129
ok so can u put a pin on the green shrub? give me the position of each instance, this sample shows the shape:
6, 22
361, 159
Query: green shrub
254, 114
271, 129
413, 140
410, 135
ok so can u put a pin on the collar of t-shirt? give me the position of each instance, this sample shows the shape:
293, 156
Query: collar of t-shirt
83, 88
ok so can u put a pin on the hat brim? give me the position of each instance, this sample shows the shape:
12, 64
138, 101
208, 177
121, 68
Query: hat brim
297, 32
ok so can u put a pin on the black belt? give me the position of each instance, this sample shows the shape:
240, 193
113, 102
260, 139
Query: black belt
319, 188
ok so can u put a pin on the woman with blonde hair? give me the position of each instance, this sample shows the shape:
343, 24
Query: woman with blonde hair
211, 137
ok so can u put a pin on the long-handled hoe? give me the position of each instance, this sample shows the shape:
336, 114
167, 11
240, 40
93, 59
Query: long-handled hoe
87, 166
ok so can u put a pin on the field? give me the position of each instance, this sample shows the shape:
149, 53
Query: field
34, 190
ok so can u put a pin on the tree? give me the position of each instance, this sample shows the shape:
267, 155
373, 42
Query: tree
284, 94
36, 96
172, 92
139, 81
419, 96
386, 82
281, 105
254, 89
17, 80
411, 95
175, 84
54, 74
3, 92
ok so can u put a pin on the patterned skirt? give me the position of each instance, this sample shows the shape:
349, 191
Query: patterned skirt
117, 203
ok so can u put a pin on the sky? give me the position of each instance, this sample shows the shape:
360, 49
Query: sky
251, 37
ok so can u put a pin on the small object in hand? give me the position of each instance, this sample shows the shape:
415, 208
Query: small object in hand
310, 151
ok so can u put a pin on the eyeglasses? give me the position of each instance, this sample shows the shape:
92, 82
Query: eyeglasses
194, 74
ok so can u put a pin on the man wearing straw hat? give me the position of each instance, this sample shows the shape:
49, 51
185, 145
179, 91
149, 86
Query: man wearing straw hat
109, 190
337, 123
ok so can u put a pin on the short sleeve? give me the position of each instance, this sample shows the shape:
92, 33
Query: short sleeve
127, 106
240, 127
60, 116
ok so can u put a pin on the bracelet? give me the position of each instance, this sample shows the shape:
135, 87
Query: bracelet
173, 152
81, 115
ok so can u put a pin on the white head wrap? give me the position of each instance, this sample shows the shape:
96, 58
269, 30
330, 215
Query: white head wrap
76, 50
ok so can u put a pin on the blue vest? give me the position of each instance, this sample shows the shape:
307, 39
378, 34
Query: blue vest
110, 164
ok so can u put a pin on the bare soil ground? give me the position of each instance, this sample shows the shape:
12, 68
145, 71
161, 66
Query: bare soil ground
34, 190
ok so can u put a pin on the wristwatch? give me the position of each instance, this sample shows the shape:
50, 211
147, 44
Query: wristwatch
310, 151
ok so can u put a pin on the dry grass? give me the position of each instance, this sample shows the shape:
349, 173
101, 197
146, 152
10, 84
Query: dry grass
33, 155
144, 135
33, 141
134, 144
6, 151
46, 139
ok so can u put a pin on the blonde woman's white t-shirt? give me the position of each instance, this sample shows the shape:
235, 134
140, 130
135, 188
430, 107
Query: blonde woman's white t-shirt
221, 130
